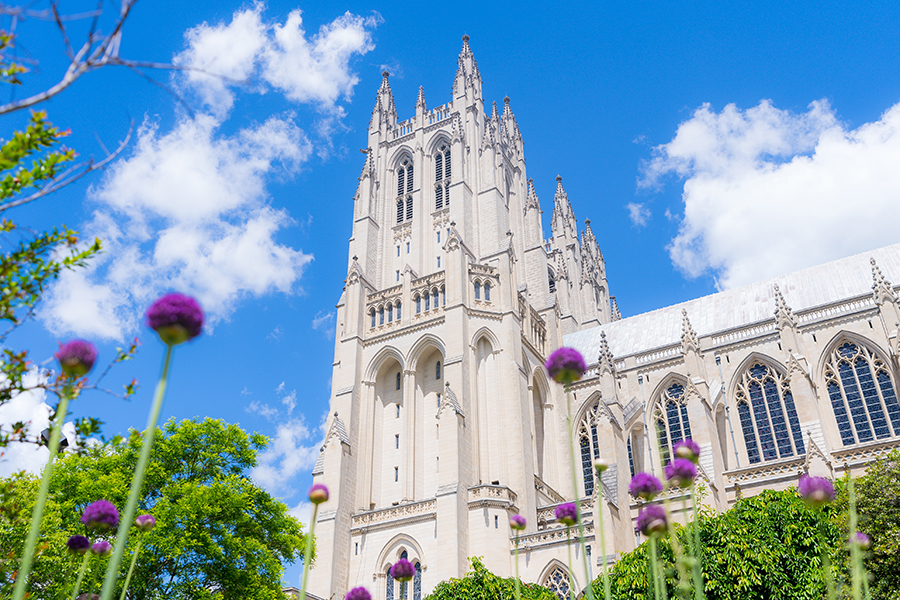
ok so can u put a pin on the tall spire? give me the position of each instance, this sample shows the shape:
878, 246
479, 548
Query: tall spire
494, 115
384, 111
467, 76
881, 287
689, 339
562, 210
531, 198
783, 316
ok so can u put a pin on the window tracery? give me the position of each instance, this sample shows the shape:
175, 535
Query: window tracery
442, 176
558, 583
768, 416
404, 190
862, 394
588, 444
671, 418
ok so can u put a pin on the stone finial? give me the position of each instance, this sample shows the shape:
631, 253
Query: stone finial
531, 198
494, 115
562, 210
783, 315
420, 101
616, 315
689, 339
881, 287
605, 361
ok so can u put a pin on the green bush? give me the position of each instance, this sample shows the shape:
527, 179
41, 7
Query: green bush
481, 584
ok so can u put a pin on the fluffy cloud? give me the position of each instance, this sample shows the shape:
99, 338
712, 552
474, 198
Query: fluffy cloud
309, 70
768, 191
291, 452
638, 213
186, 211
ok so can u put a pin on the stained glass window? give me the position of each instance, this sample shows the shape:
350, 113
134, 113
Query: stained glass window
589, 445
442, 177
768, 416
671, 418
862, 392
389, 595
630, 457
558, 583
417, 583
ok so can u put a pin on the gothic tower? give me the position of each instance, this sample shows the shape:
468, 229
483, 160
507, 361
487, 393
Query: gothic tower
442, 422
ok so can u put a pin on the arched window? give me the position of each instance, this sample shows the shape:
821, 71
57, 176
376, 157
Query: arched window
398, 310
390, 313
381, 316
478, 290
434, 297
404, 189
400, 210
389, 585
443, 296
427, 297
630, 457
373, 317
398, 382
417, 583
558, 583
442, 176
589, 446
487, 291
551, 280
418, 304
437, 370
766, 407
671, 419
862, 391
408, 208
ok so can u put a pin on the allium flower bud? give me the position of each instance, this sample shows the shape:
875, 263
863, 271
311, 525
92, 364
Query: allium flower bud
651, 520
358, 593
145, 522
403, 570
601, 464
78, 544
100, 515
517, 522
76, 357
645, 485
566, 365
567, 514
176, 318
318, 493
688, 449
816, 491
681, 472
861, 540
102, 548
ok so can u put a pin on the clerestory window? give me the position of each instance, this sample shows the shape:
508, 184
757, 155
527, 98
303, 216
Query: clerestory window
671, 418
442, 176
404, 190
768, 415
588, 444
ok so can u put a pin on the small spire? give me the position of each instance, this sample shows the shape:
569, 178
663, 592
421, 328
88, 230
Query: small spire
616, 315
881, 287
420, 101
605, 361
562, 210
494, 115
689, 339
507, 111
384, 80
531, 199
783, 316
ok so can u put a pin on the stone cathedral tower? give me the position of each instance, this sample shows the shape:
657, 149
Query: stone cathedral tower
441, 419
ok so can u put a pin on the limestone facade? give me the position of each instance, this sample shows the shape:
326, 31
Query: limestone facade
443, 422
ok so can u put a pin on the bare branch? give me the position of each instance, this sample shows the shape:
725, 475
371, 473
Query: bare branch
164, 87
62, 29
70, 175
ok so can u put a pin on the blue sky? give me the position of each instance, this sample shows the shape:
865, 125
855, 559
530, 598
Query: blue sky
711, 145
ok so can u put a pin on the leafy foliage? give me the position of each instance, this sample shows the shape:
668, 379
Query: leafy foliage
217, 535
766, 546
481, 584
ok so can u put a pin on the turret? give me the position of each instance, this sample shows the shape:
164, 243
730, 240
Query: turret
467, 83
384, 115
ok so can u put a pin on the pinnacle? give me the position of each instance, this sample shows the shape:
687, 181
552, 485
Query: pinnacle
420, 101
494, 115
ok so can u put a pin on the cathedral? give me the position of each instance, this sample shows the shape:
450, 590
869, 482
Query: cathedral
443, 422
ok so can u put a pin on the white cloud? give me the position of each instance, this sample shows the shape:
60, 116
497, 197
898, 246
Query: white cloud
768, 191
305, 69
638, 213
325, 322
262, 409
246, 391
186, 211
280, 388
302, 512
290, 401
293, 450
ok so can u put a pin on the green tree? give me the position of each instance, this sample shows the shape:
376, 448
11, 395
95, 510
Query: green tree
766, 547
481, 584
217, 536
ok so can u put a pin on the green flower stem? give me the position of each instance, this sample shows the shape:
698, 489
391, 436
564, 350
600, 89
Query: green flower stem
659, 582
518, 592
606, 591
112, 569
589, 592
826, 560
569, 548
403, 590
77, 588
309, 549
699, 593
38, 512
683, 579
857, 571
137, 551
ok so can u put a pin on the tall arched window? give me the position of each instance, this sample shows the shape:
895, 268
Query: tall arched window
417, 582
671, 419
390, 313
443, 296
399, 210
404, 189
398, 380
373, 317
558, 583
381, 316
427, 297
478, 290
589, 446
487, 291
437, 370
442, 176
418, 304
862, 391
768, 416
398, 310
434, 297
389, 585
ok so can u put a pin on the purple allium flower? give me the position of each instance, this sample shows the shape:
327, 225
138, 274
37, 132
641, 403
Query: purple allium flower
358, 593
567, 514
517, 522
76, 357
318, 493
645, 485
176, 318
102, 548
652, 520
601, 464
403, 570
816, 491
78, 544
688, 449
861, 540
100, 515
145, 522
681, 472
566, 365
